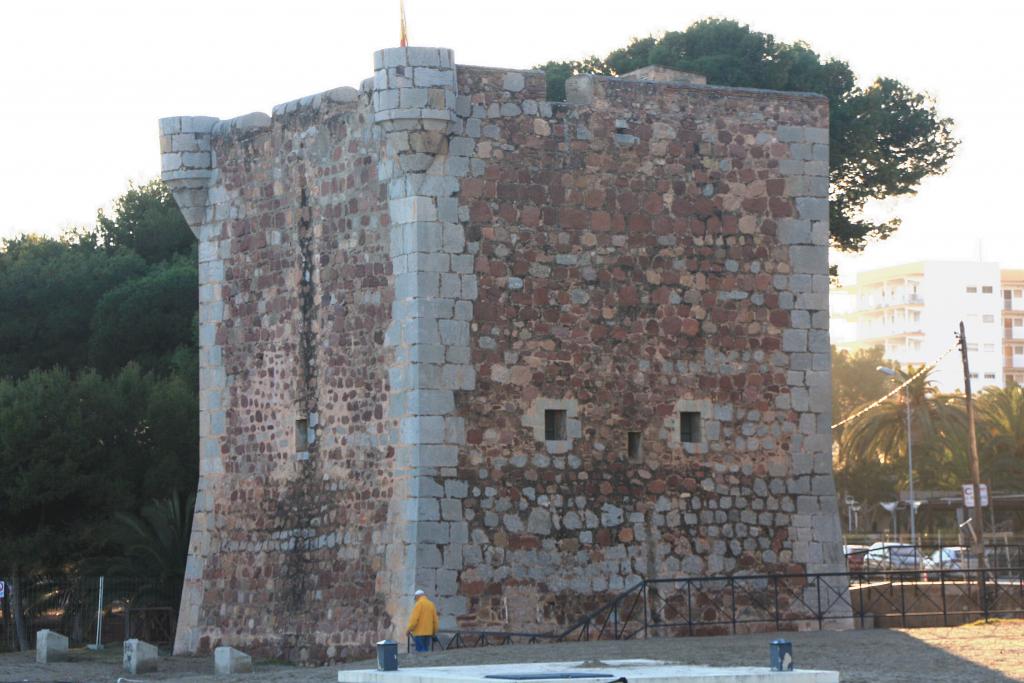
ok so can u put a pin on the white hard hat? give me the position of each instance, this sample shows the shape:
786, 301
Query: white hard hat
418, 593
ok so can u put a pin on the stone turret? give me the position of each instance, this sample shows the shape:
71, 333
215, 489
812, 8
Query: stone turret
186, 163
414, 97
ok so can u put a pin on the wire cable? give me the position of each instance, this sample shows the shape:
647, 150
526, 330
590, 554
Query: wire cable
924, 369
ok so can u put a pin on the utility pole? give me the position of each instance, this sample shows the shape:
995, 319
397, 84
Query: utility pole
979, 537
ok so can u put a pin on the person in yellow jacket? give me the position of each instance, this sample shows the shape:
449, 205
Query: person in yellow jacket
423, 622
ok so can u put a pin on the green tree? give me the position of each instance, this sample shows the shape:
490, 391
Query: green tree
48, 292
77, 450
146, 319
59, 473
855, 382
884, 138
154, 549
147, 221
877, 441
1000, 433
169, 458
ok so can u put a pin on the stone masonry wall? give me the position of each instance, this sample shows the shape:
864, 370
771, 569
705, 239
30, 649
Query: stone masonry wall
296, 290
641, 251
396, 285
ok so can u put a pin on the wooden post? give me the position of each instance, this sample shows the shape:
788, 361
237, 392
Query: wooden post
978, 522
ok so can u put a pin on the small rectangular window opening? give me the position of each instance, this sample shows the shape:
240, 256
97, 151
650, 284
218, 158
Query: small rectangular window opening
554, 425
634, 446
301, 436
972, 290
689, 427
986, 290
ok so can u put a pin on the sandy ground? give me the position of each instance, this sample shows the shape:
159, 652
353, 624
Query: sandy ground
967, 654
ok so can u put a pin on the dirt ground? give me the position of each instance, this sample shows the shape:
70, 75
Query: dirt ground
988, 653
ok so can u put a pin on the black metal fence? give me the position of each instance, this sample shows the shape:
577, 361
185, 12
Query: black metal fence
70, 605
782, 602
1001, 558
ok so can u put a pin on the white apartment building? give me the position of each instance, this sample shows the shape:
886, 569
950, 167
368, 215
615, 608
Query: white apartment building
1013, 325
913, 310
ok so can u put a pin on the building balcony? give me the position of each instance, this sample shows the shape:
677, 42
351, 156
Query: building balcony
1013, 334
1013, 305
890, 302
881, 334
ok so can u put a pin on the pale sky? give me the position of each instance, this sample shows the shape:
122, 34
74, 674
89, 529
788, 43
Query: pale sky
83, 83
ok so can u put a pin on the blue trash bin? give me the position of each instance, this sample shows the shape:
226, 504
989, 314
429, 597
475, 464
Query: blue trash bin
782, 655
387, 655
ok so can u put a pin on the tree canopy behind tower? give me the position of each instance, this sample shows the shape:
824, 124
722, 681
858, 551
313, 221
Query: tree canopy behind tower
884, 138
99, 410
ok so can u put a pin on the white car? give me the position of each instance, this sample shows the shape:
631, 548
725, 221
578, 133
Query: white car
952, 558
892, 556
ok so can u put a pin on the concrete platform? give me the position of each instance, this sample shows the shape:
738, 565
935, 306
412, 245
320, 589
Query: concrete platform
609, 671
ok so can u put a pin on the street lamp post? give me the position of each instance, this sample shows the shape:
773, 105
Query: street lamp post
910, 454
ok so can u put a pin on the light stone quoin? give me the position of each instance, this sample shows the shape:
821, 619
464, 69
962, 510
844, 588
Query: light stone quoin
415, 271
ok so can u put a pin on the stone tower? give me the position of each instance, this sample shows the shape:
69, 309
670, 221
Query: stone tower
514, 352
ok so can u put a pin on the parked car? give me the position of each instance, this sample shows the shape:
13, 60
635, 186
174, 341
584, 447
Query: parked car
955, 559
855, 557
892, 556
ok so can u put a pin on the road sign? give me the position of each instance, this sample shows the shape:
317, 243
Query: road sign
968, 490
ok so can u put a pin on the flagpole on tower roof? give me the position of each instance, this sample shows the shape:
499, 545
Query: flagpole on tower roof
403, 40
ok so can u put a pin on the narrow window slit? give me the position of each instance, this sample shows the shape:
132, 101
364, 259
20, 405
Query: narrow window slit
554, 425
689, 427
634, 446
301, 435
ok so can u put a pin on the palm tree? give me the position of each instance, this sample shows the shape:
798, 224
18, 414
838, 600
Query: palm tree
155, 550
877, 441
1000, 431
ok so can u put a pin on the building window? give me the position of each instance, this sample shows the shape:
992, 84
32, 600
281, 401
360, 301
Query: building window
972, 346
689, 427
553, 422
986, 290
1019, 350
990, 375
972, 290
301, 435
634, 446
974, 375
988, 318
554, 425
989, 347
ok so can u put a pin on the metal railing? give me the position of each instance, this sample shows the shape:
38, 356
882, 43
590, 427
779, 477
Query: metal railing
999, 558
70, 605
721, 605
